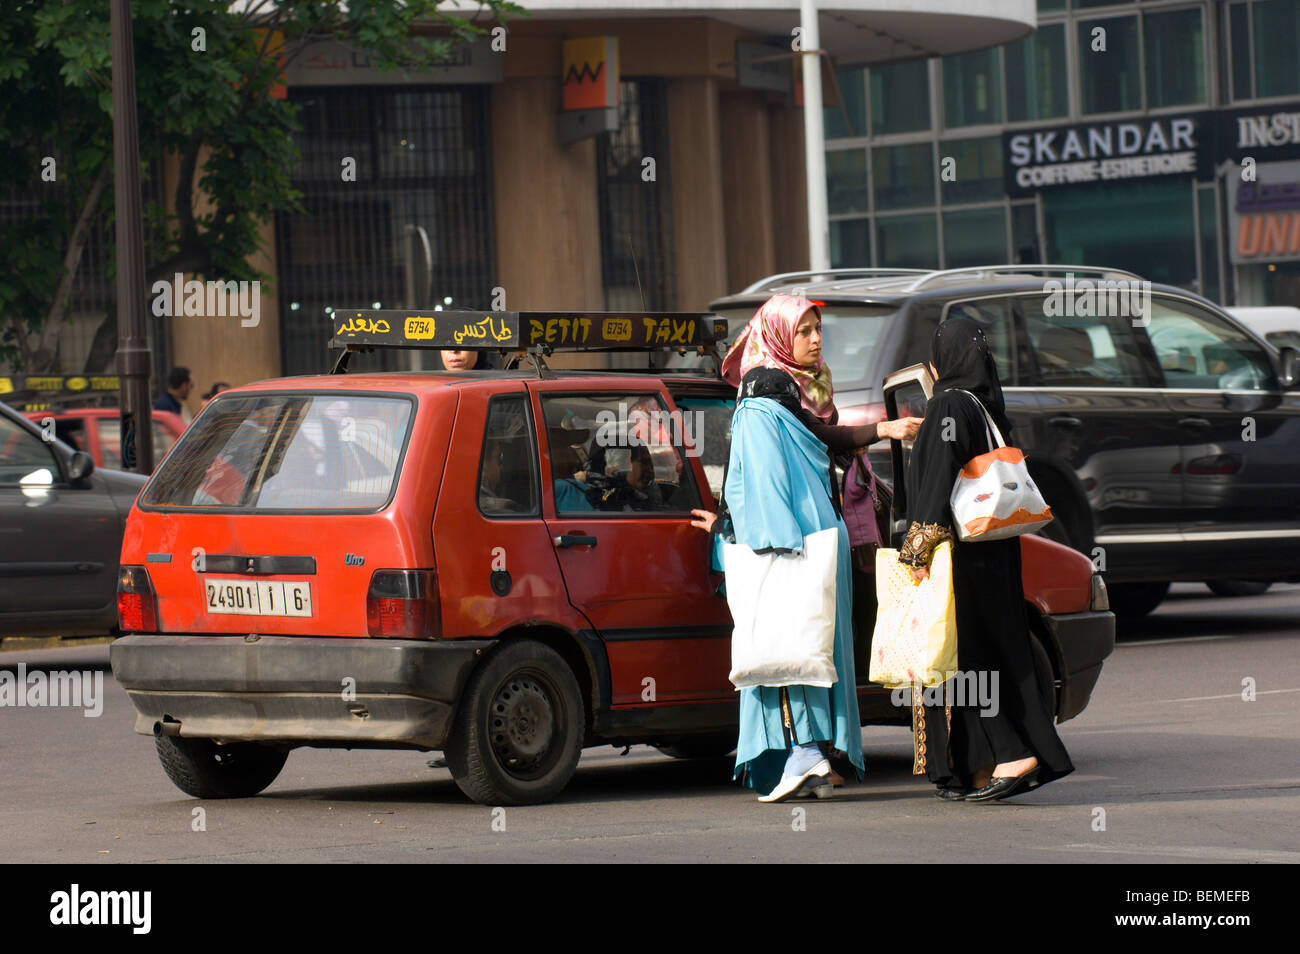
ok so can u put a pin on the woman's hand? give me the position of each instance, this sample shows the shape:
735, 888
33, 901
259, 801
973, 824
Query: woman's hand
920, 573
704, 520
903, 429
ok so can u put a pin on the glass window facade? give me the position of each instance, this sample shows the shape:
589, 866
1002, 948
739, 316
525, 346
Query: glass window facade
851, 120
907, 241
1175, 58
900, 98
851, 243
974, 236
904, 175
1110, 78
976, 169
1038, 75
972, 89
846, 181
1277, 38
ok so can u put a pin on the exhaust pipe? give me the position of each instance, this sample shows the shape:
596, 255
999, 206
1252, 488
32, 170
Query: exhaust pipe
168, 726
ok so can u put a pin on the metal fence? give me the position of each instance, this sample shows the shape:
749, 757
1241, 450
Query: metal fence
421, 160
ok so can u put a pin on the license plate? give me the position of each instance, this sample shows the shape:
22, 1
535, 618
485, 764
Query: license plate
257, 597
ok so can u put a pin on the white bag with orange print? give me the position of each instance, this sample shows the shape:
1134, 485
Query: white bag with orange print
993, 497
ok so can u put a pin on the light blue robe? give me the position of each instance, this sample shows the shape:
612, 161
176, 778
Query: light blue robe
778, 492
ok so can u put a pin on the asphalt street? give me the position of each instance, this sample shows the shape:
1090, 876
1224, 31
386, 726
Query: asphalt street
1172, 765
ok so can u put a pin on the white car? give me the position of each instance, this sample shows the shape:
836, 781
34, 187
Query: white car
1279, 325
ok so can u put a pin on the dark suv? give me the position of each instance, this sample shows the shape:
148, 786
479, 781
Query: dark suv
1165, 436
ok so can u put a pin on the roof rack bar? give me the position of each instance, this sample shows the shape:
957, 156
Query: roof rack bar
770, 280
979, 270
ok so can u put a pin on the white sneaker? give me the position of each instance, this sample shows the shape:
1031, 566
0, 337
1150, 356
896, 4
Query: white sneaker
790, 784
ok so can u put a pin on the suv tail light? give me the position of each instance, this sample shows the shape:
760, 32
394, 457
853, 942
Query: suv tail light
137, 606
404, 603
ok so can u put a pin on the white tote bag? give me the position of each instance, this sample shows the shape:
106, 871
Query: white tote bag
993, 497
783, 608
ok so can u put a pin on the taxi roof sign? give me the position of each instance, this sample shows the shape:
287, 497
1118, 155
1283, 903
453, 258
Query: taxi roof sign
536, 331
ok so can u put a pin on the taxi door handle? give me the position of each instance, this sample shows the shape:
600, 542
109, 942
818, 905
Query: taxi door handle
574, 540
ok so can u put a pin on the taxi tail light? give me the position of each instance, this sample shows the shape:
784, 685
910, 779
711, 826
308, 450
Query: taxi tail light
137, 605
404, 604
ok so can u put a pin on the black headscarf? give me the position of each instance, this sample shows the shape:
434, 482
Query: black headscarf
961, 356
777, 385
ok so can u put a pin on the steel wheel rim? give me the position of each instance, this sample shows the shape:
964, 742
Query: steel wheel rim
526, 725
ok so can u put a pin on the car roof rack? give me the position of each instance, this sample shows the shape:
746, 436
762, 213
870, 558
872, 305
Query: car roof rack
814, 276
979, 271
535, 333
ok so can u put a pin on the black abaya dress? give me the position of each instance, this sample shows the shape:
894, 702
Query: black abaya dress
953, 743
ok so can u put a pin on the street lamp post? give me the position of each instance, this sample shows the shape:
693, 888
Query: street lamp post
819, 254
133, 358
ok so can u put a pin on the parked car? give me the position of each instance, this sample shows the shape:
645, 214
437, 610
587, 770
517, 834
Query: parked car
1279, 325
1168, 451
98, 431
61, 525
477, 562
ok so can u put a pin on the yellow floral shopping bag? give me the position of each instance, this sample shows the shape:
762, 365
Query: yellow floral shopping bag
915, 642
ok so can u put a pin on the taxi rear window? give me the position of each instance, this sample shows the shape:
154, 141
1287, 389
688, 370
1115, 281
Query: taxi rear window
286, 451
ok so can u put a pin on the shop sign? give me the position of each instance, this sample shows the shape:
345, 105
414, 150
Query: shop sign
1264, 215
1101, 152
1262, 133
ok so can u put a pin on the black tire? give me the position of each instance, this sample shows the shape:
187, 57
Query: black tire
1237, 587
711, 746
201, 768
1135, 600
1046, 677
518, 732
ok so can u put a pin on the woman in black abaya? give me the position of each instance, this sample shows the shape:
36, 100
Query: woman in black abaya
967, 752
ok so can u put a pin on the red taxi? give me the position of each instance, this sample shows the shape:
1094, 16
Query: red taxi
498, 565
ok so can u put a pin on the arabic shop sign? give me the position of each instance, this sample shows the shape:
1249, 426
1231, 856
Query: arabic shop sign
524, 329
1107, 151
330, 63
1264, 215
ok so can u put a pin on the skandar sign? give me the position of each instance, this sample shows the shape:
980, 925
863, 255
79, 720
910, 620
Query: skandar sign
1083, 153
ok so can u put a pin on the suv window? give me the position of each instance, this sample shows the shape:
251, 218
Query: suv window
507, 473
25, 458
619, 453
1081, 350
287, 452
1199, 350
993, 315
850, 334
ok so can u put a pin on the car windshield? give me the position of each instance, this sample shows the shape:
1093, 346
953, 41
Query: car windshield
286, 452
849, 337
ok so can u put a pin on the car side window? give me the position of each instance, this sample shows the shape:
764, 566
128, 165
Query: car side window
709, 429
1199, 350
619, 453
507, 476
1071, 350
110, 441
993, 315
24, 458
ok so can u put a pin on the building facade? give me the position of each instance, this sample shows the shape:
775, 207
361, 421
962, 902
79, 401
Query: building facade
1158, 136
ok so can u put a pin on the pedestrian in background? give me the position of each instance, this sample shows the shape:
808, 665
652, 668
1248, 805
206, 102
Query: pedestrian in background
179, 385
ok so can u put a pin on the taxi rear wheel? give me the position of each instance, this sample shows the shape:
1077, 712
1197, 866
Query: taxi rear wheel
201, 768
518, 733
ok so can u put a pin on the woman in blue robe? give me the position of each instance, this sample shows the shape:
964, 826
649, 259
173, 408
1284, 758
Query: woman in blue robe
778, 492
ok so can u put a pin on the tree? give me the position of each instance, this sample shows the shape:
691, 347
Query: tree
205, 71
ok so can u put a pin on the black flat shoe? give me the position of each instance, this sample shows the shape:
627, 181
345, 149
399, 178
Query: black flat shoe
1000, 788
951, 793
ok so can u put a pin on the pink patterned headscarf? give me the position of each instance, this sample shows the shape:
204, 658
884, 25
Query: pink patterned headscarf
768, 342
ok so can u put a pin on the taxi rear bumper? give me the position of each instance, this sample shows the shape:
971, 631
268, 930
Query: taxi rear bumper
329, 692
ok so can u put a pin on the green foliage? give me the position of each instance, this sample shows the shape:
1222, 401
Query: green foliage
211, 110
